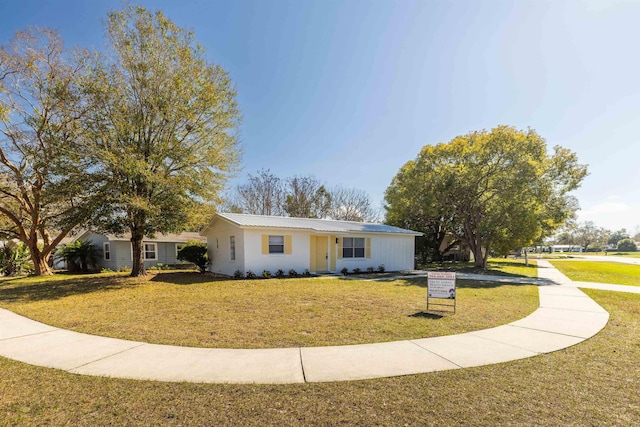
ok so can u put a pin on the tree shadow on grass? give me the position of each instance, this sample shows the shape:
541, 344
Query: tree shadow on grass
60, 286
464, 283
187, 278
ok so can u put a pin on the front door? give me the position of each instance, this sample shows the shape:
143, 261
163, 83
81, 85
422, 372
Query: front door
322, 254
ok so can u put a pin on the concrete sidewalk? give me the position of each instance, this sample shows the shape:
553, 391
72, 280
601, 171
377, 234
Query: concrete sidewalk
566, 317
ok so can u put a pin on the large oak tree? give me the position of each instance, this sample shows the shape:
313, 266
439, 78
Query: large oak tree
43, 190
164, 127
493, 190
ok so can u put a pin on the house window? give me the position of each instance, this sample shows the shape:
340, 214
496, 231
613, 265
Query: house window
150, 251
232, 248
353, 247
276, 244
107, 251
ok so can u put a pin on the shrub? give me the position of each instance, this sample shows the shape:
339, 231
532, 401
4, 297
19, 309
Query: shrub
238, 274
250, 275
344, 271
293, 273
106, 270
279, 274
15, 260
195, 253
356, 270
80, 255
369, 269
306, 273
266, 274
381, 268
627, 245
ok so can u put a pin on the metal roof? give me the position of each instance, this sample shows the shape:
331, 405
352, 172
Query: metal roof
165, 238
317, 225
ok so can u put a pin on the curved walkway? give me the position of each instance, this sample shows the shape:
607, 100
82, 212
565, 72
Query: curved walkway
566, 317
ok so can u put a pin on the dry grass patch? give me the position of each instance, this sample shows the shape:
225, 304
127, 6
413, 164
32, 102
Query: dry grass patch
600, 272
194, 310
593, 383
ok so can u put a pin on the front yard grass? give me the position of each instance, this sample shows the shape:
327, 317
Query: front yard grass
600, 272
593, 383
189, 309
495, 266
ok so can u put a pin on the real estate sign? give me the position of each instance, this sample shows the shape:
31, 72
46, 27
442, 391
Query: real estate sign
441, 284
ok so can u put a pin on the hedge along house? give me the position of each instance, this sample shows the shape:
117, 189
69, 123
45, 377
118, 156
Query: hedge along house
116, 251
240, 242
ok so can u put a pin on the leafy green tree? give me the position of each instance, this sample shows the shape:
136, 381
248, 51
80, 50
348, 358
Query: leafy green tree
627, 245
43, 185
196, 253
587, 235
163, 123
616, 236
494, 191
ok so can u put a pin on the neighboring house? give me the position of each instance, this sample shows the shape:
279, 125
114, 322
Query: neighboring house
116, 251
459, 252
239, 242
566, 248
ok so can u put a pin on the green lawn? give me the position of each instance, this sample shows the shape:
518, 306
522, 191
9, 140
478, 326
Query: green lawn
495, 266
594, 383
201, 311
600, 272
622, 254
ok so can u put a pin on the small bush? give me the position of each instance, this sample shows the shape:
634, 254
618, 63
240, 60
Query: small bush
195, 253
266, 274
369, 269
344, 271
356, 270
306, 273
293, 273
381, 268
125, 269
279, 274
238, 274
627, 245
106, 270
250, 275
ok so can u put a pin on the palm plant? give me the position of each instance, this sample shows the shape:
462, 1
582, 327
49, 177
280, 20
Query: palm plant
15, 259
79, 255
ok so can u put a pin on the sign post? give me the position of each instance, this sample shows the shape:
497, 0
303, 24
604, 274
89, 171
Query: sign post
441, 285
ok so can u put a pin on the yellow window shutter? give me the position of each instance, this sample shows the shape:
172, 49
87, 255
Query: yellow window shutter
265, 244
287, 245
339, 247
368, 248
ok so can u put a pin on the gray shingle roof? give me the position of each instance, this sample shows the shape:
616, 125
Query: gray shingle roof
317, 225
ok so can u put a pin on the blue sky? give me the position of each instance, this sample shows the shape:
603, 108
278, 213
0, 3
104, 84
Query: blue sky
348, 91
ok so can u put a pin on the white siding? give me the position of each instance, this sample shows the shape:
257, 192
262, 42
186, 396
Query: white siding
395, 252
218, 244
257, 262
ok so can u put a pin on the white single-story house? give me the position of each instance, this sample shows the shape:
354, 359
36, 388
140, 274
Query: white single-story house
241, 242
116, 251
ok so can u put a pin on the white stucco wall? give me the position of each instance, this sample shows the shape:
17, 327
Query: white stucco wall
395, 252
256, 261
219, 248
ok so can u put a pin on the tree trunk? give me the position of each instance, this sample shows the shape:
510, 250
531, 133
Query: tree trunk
40, 262
138, 258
